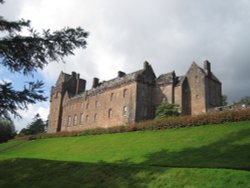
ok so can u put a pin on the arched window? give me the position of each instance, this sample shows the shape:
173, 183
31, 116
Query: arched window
125, 93
81, 118
96, 104
110, 113
112, 97
87, 118
125, 111
75, 119
69, 120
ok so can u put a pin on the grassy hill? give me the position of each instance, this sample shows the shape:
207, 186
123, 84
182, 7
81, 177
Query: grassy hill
205, 156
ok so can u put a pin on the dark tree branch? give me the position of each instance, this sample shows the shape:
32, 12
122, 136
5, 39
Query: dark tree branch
28, 53
12, 100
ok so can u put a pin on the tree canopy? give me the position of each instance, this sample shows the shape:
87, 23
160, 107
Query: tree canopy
7, 130
36, 126
27, 53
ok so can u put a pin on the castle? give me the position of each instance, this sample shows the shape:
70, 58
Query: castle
130, 98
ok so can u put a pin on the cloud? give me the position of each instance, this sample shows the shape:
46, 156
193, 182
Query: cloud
28, 115
169, 34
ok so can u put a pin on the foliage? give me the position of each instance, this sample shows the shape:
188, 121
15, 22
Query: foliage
35, 127
27, 53
12, 100
245, 100
157, 124
166, 109
7, 130
224, 100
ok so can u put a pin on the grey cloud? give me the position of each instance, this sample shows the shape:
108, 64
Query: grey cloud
169, 34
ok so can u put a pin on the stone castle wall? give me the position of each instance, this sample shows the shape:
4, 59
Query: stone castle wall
130, 98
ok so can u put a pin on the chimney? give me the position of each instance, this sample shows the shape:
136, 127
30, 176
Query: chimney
121, 74
207, 67
145, 65
95, 82
73, 74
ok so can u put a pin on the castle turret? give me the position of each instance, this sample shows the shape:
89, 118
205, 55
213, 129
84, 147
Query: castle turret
73, 85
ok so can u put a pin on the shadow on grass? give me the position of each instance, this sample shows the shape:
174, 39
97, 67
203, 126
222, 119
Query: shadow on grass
153, 172
47, 173
233, 152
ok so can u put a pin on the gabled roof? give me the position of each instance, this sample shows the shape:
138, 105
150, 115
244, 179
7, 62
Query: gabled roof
213, 77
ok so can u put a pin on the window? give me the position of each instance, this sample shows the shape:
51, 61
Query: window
125, 93
87, 118
96, 104
112, 97
81, 118
69, 120
110, 113
87, 106
125, 111
75, 119
95, 117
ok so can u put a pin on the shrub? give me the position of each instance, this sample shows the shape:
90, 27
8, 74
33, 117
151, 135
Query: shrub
156, 124
166, 109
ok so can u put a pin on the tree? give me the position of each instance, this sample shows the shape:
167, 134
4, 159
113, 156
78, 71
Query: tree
166, 109
35, 127
28, 53
224, 100
7, 130
245, 100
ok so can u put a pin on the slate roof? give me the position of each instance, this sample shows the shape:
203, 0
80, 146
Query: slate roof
115, 82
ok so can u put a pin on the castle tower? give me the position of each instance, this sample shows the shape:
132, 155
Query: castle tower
73, 85
203, 90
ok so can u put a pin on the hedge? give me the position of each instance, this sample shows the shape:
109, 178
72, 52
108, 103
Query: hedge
156, 124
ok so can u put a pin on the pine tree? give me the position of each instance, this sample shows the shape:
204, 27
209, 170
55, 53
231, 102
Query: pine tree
36, 126
28, 53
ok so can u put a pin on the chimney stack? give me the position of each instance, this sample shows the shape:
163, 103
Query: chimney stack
95, 82
145, 65
121, 74
207, 67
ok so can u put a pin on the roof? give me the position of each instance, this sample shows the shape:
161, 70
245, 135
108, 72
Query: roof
116, 82
166, 79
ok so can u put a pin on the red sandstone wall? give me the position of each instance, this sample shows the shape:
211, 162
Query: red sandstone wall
97, 109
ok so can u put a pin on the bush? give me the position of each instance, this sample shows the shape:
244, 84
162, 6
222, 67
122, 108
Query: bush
157, 124
166, 109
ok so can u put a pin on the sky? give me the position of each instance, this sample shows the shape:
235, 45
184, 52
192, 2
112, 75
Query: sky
169, 34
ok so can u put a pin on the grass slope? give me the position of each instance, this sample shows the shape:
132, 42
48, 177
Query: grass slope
205, 156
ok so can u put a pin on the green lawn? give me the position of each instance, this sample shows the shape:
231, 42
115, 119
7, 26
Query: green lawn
205, 156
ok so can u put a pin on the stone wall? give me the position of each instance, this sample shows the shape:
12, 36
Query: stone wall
196, 88
130, 98
112, 107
